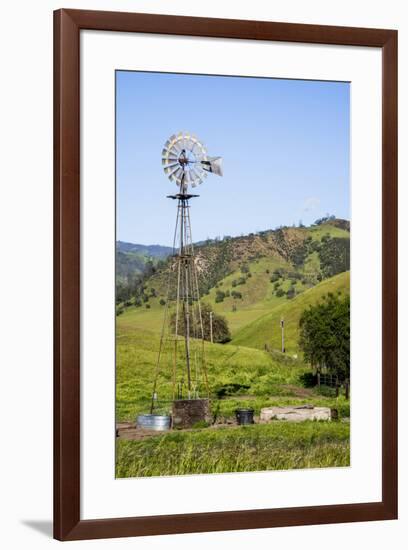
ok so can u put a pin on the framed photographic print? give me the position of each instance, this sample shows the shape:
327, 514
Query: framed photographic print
225, 274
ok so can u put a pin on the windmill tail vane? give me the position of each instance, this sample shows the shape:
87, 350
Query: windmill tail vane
186, 163
214, 165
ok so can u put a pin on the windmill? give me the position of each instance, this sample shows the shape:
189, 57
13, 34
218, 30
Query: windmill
186, 163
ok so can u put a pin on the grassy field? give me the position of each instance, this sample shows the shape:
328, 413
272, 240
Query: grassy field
319, 231
136, 355
266, 378
275, 446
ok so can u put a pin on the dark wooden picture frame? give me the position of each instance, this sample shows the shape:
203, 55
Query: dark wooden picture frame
67, 483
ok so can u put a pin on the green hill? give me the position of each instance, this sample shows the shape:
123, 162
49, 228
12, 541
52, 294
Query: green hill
296, 248
266, 329
244, 278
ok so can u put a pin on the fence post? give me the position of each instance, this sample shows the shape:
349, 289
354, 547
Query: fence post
211, 327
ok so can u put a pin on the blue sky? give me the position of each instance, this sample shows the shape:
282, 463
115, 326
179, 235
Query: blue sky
285, 145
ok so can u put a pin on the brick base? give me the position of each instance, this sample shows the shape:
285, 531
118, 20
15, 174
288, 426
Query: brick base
187, 412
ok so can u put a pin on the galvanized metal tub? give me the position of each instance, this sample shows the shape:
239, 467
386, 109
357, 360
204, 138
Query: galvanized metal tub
155, 422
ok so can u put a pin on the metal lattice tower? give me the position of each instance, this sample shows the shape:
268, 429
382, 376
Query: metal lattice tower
185, 162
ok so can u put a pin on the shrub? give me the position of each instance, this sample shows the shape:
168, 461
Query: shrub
315, 246
221, 333
279, 293
334, 256
325, 334
308, 379
326, 391
231, 389
219, 296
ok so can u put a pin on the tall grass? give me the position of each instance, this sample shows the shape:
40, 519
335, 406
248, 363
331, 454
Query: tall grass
275, 446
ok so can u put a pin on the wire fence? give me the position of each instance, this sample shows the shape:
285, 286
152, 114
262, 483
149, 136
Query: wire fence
334, 381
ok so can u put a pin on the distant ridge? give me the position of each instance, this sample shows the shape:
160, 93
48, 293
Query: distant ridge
152, 250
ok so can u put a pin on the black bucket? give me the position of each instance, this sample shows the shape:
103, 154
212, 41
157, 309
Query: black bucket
244, 416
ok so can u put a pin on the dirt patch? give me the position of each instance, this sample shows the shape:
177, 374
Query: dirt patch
128, 430
297, 391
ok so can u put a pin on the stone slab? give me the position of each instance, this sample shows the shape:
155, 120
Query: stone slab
295, 414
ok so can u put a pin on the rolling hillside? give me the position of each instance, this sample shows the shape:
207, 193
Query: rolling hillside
304, 249
132, 260
266, 329
246, 277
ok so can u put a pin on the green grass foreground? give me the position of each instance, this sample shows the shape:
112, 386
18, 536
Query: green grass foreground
275, 446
